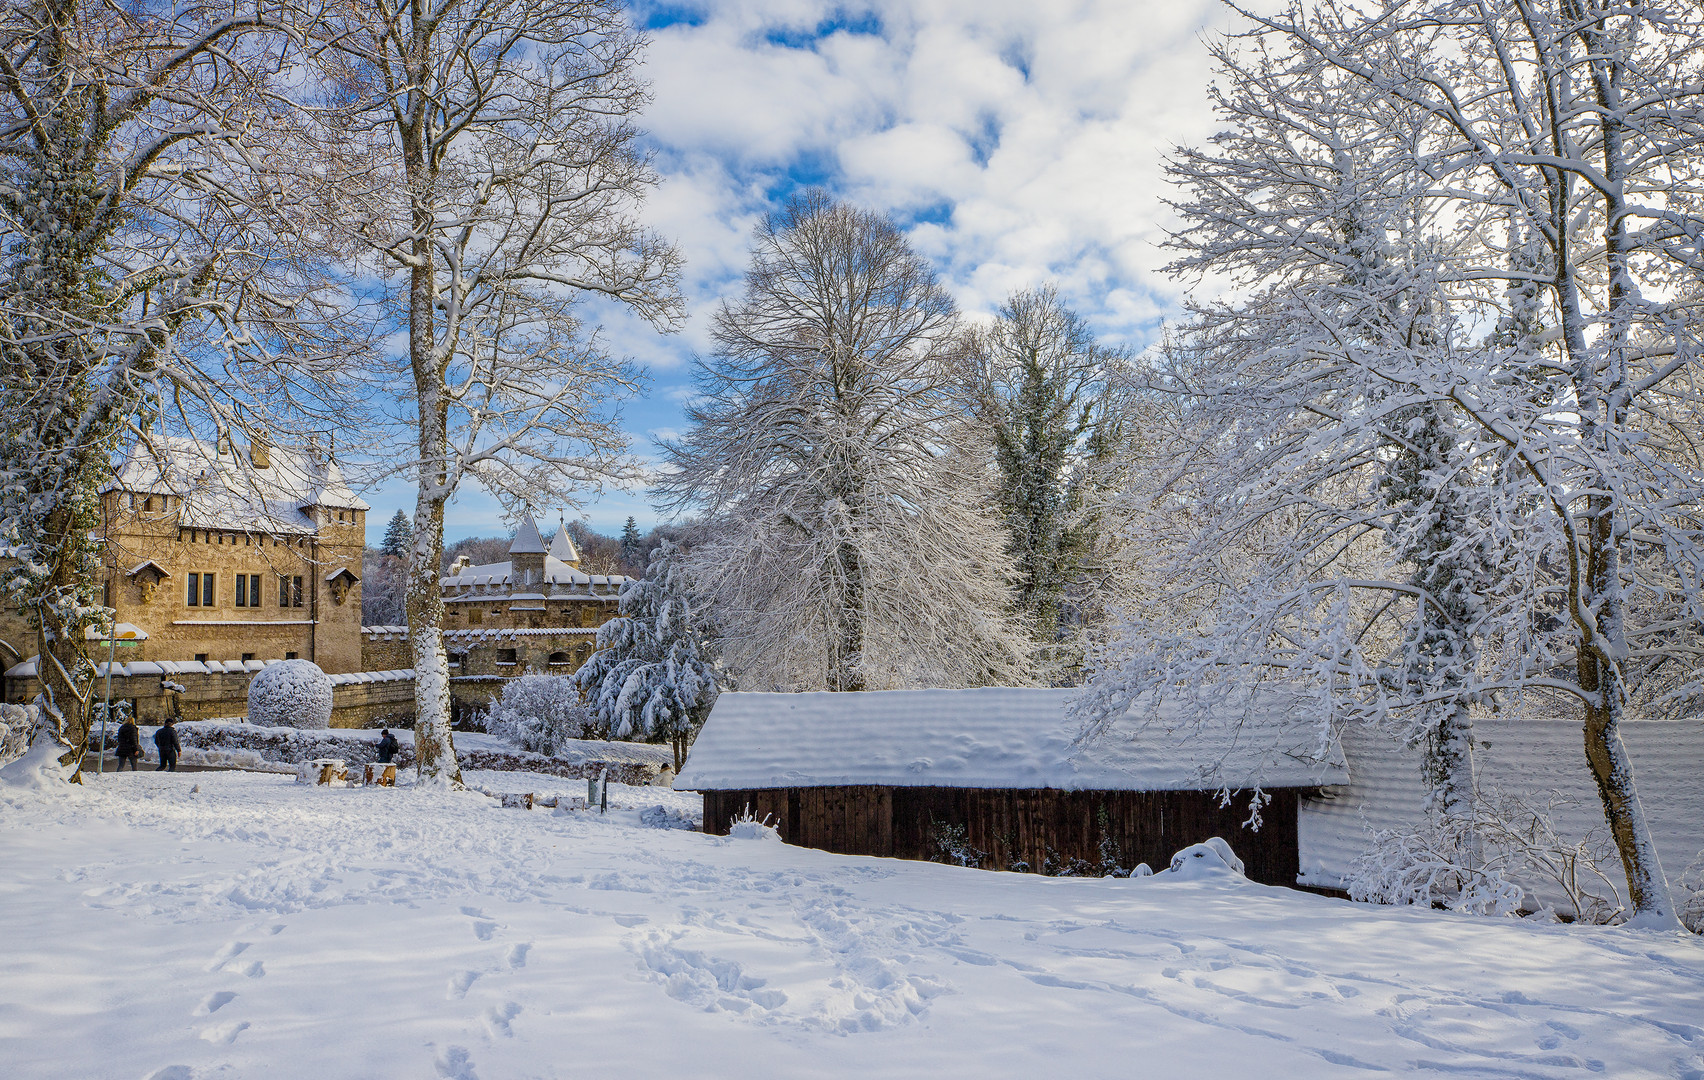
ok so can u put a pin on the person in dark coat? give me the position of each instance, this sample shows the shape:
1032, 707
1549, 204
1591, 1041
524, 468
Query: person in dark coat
167, 740
129, 744
387, 747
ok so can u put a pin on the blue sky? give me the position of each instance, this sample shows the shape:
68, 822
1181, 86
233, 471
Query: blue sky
1017, 143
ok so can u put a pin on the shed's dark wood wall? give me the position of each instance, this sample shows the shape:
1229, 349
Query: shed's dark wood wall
1027, 826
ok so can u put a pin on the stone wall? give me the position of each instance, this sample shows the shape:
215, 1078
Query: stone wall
220, 689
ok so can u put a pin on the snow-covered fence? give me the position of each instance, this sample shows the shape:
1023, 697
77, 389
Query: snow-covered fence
1523, 767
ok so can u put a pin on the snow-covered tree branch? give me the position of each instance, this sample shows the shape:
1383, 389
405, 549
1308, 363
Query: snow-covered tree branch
1439, 427
852, 542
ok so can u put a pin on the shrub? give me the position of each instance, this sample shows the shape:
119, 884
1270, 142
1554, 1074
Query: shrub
540, 713
290, 693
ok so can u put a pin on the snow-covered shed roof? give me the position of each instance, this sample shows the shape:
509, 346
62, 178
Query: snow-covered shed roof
228, 491
998, 737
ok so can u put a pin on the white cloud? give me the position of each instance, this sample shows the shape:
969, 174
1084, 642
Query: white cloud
1018, 142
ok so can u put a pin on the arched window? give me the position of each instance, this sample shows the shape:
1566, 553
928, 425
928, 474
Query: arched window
559, 658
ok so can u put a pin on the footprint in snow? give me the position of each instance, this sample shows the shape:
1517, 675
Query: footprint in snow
483, 929
215, 1001
172, 1072
455, 1064
517, 955
498, 1016
460, 982
228, 952
255, 970
225, 1034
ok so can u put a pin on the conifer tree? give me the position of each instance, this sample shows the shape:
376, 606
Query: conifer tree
1037, 377
632, 544
397, 533
654, 675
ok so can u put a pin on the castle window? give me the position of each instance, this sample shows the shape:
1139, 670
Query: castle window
506, 657
200, 592
475, 615
296, 591
289, 656
559, 658
248, 590
247, 657
201, 657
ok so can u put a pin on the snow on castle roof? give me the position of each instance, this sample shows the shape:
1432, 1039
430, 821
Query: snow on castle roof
997, 737
527, 540
562, 546
224, 490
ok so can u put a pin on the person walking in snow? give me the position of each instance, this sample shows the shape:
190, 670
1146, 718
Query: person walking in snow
167, 740
387, 747
129, 744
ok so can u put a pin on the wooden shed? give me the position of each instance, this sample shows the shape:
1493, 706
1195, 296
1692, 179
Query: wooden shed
991, 777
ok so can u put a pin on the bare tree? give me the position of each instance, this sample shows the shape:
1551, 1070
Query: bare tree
154, 272
484, 152
851, 542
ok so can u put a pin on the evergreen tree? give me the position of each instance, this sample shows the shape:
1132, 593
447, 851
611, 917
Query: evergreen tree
397, 534
1038, 379
632, 544
653, 675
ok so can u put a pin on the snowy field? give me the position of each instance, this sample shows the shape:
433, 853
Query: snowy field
191, 926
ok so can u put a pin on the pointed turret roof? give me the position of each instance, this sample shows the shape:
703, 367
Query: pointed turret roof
527, 539
562, 547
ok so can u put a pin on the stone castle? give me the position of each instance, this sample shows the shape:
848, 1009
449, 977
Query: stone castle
216, 565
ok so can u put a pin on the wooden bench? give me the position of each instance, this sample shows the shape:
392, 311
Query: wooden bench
327, 771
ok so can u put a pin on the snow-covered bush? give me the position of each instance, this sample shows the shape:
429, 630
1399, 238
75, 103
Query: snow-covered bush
290, 693
1424, 867
953, 847
1212, 859
16, 723
1690, 896
747, 827
1484, 861
540, 713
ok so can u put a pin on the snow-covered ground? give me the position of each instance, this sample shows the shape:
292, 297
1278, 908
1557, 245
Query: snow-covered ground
189, 926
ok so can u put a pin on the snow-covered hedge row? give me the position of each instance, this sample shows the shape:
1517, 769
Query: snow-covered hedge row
287, 744
357, 746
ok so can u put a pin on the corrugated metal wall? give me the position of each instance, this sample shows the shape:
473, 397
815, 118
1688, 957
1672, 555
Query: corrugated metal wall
1526, 757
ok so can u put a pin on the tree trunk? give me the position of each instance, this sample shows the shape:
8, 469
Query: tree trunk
434, 746
1647, 888
1604, 413
61, 668
846, 673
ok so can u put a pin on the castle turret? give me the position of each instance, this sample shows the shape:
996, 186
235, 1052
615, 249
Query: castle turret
526, 558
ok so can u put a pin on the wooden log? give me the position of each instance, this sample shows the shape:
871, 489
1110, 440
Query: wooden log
518, 801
